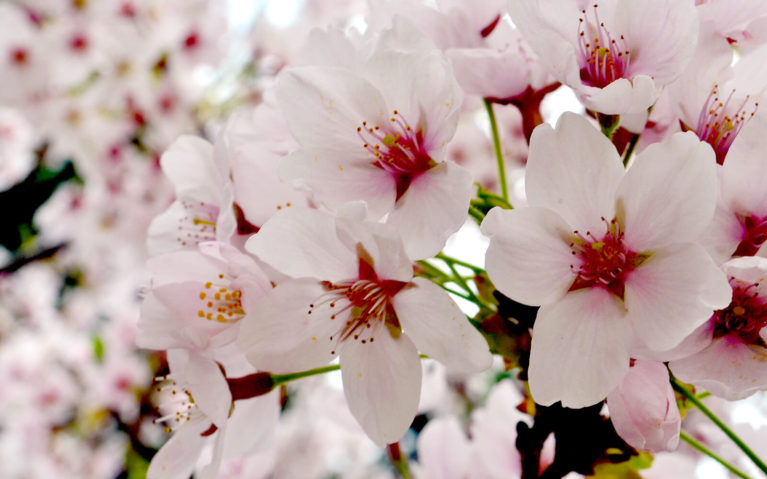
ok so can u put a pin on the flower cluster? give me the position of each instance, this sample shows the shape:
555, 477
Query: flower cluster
307, 304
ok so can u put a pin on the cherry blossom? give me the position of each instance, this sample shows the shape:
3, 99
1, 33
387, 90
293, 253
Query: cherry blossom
615, 55
732, 365
610, 257
378, 133
354, 296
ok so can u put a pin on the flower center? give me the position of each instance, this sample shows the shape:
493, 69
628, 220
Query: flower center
398, 149
198, 223
604, 262
218, 302
361, 305
718, 128
604, 59
177, 403
745, 316
754, 235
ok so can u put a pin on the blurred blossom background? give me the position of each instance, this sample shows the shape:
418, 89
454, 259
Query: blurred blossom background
91, 94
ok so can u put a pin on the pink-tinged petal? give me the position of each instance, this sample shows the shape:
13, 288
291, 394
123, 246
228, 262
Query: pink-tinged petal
443, 450
573, 170
580, 349
643, 408
728, 368
183, 266
170, 319
382, 383
189, 164
204, 380
723, 234
163, 235
622, 96
251, 424
668, 194
433, 207
660, 48
529, 259
672, 293
744, 175
280, 335
302, 242
439, 328
488, 72
337, 179
323, 107
694, 342
177, 457
420, 85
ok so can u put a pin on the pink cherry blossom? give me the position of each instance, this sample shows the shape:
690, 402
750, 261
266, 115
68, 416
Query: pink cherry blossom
610, 257
715, 98
198, 297
354, 296
378, 133
615, 55
733, 364
740, 223
203, 207
643, 408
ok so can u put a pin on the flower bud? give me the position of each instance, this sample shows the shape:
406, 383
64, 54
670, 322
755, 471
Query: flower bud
643, 408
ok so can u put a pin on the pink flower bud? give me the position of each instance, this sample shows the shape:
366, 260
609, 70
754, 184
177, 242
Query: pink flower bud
643, 408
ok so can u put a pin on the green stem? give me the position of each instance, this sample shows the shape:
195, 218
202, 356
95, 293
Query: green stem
477, 214
284, 378
491, 198
450, 259
457, 279
703, 449
707, 412
498, 152
398, 460
457, 293
433, 270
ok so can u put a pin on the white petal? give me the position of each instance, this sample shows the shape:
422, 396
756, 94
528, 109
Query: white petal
302, 242
529, 258
669, 193
337, 180
279, 335
382, 383
204, 380
728, 368
439, 328
189, 164
324, 106
672, 293
744, 174
573, 170
580, 349
434, 206
252, 423
177, 457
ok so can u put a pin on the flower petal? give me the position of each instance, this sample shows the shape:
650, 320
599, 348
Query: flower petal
382, 384
668, 194
434, 206
580, 349
529, 258
573, 170
744, 174
440, 329
302, 242
672, 293
728, 368
280, 336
